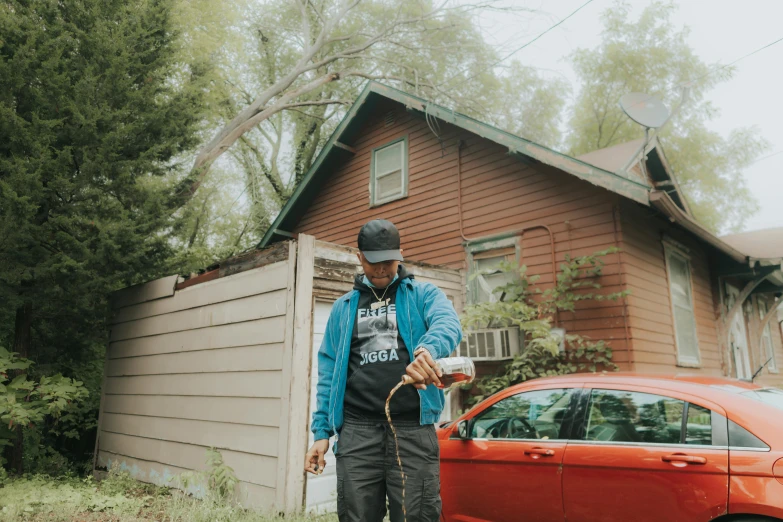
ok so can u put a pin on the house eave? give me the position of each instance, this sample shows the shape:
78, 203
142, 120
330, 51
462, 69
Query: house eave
664, 203
611, 181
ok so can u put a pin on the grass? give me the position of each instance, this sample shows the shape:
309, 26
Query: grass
119, 498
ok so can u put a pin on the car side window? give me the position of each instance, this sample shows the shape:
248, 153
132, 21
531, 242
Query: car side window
529, 415
740, 438
625, 416
699, 426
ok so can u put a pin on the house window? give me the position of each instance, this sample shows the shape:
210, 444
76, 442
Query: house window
389, 172
486, 274
766, 340
681, 291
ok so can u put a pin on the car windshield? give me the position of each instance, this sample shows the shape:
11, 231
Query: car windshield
769, 396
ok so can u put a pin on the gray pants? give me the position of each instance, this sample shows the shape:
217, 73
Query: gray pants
367, 472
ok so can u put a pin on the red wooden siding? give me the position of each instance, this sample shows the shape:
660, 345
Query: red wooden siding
499, 193
650, 310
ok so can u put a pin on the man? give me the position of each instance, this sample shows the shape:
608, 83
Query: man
389, 325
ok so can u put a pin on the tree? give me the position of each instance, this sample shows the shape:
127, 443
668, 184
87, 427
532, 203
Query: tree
315, 54
96, 110
421, 58
650, 55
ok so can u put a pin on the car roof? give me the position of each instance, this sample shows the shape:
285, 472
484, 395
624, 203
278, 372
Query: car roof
659, 380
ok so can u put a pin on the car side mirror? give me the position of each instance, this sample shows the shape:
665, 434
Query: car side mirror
463, 430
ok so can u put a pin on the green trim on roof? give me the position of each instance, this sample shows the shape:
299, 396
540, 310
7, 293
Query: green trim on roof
621, 185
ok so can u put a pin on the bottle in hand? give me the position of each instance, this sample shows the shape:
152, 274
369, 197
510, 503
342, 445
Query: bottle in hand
454, 370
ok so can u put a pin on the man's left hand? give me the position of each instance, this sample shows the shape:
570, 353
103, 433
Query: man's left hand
423, 371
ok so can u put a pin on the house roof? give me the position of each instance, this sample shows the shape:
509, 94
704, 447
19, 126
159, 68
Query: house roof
760, 244
613, 158
335, 149
620, 158
603, 168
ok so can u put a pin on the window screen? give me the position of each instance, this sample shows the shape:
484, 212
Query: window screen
682, 308
389, 172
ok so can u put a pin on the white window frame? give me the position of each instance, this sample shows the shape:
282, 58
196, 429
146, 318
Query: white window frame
374, 202
772, 367
671, 250
483, 246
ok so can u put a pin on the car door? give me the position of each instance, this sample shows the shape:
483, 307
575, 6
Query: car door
645, 455
507, 469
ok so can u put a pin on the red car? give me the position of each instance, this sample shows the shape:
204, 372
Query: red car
617, 448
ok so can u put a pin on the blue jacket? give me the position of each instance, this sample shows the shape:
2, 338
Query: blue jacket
425, 318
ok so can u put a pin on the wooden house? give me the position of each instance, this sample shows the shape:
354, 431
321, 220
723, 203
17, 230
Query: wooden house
225, 359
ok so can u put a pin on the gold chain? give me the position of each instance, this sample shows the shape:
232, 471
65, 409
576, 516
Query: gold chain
380, 299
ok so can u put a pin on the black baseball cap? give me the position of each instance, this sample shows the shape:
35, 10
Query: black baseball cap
379, 240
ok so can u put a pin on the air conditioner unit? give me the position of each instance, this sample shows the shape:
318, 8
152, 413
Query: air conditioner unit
490, 345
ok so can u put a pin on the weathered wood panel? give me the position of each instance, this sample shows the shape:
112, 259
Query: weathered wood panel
249, 495
205, 367
228, 384
252, 282
255, 469
271, 304
259, 440
263, 331
238, 359
237, 410
157, 289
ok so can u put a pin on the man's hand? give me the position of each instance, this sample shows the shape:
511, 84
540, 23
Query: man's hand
423, 371
314, 460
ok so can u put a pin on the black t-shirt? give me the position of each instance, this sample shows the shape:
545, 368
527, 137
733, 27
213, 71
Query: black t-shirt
378, 359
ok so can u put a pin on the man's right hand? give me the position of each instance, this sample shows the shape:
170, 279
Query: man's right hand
314, 460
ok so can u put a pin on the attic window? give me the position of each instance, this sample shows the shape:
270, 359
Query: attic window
389, 172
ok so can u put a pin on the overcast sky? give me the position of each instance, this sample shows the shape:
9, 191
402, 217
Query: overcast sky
721, 32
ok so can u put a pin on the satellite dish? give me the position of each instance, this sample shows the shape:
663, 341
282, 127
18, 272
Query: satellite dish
648, 111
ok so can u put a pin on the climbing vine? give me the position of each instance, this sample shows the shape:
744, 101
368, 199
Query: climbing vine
524, 304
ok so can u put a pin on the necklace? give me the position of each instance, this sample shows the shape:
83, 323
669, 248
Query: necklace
381, 302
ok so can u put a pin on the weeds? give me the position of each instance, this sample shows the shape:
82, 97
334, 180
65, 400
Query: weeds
120, 498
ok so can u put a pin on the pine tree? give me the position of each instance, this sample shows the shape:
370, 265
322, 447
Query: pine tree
96, 111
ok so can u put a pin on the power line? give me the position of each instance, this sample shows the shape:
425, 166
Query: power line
691, 82
512, 53
765, 157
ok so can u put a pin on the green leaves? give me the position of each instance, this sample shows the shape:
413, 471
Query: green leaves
26, 402
652, 55
531, 309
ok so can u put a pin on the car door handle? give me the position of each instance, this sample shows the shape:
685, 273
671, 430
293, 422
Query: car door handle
678, 457
541, 452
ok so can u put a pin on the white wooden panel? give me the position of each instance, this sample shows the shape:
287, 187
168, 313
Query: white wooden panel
232, 384
257, 469
263, 331
299, 388
256, 281
321, 490
249, 495
259, 440
239, 310
285, 403
144, 292
238, 410
243, 358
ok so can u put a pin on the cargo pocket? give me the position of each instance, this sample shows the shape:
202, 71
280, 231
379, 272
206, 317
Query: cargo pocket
430, 501
341, 508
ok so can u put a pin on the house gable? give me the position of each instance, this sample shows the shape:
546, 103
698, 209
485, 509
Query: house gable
338, 148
